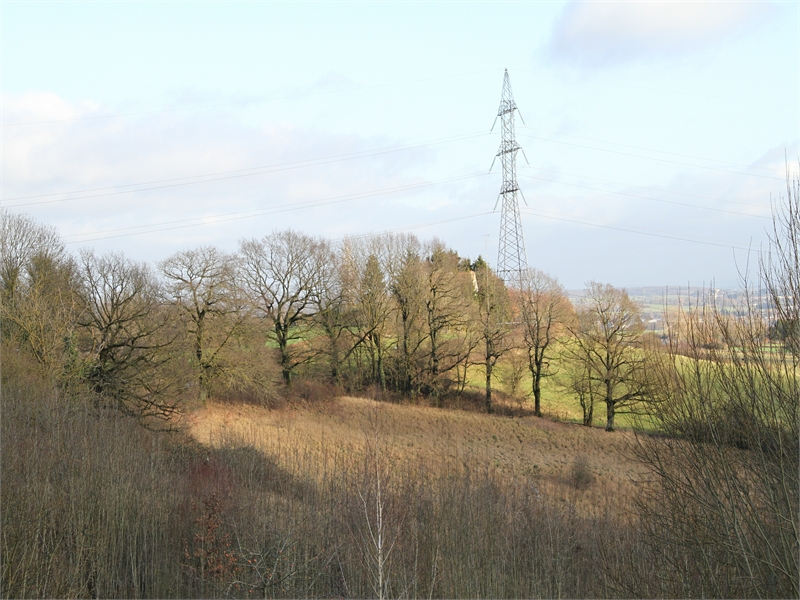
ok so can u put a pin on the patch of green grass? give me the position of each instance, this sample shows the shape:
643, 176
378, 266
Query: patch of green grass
556, 401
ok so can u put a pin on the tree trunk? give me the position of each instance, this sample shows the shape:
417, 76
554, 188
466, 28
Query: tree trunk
434, 357
609, 416
537, 391
588, 410
462, 381
536, 382
287, 376
281, 335
381, 370
406, 358
489, 407
331, 333
286, 370
202, 379
334, 358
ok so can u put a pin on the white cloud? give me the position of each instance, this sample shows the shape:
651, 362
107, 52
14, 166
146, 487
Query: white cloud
592, 33
34, 107
83, 153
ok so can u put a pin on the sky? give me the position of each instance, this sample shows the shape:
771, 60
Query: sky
655, 134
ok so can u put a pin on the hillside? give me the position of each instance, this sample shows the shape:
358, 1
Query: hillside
513, 447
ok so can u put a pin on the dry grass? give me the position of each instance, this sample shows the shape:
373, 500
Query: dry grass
512, 447
478, 505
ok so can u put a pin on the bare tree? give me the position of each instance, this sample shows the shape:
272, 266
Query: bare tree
494, 321
38, 304
577, 380
380, 528
721, 504
349, 306
544, 310
365, 264
201, 284
123, 342
330, 309
447, 299
374, 307
22, 240
282, 276
37, 285
406, 282
780, 267
608, 341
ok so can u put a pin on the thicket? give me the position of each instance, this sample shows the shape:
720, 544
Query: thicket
95, 506
101, 355
723, 500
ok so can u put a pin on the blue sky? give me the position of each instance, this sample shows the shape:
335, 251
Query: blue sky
649, 126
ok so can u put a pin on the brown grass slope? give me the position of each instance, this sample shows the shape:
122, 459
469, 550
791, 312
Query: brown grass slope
512, 447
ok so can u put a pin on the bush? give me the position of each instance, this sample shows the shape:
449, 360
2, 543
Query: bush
580, 475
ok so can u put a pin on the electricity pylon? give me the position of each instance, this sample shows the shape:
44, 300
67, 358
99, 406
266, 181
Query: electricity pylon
511, 259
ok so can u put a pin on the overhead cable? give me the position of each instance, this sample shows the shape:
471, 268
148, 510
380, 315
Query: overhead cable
674, 162
220, 218
642, 231
234, 174
586, 187
644, 187
579, 137
407, 228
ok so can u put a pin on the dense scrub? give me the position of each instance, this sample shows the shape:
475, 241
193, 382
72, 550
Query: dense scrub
96, 506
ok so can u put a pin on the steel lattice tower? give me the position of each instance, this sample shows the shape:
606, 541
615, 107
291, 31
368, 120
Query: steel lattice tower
511, 258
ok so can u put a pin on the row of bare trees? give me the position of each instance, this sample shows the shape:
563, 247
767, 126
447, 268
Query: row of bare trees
388, 311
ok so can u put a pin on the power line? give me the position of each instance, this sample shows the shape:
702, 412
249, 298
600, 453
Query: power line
254, 101
651, 89
586, 187
641, 231
651, 158
237, 173
216, 176
395, 230
532, 212
184, 223
578, 137
644, 187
